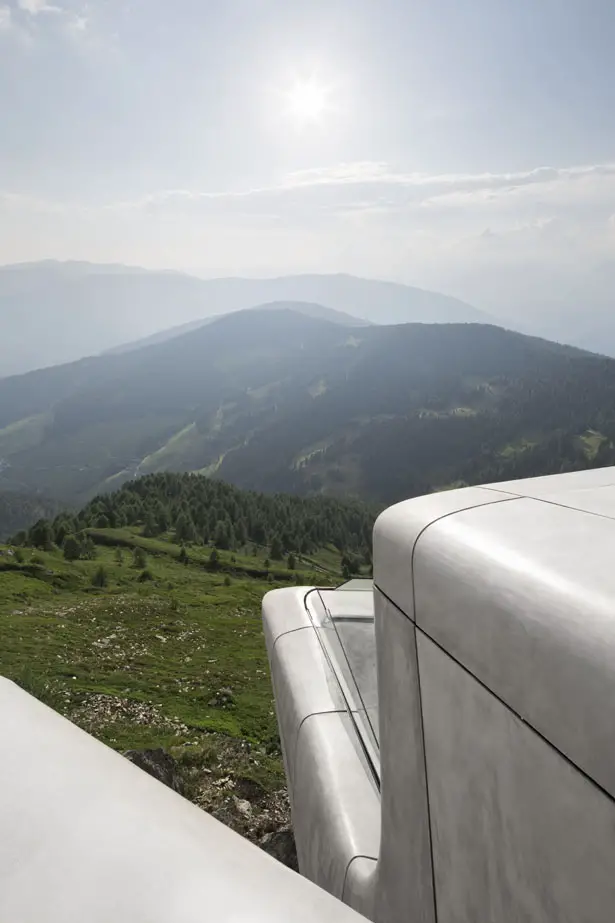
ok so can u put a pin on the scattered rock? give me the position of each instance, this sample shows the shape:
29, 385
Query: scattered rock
249, 789
244, 807
222, 699
96, 712
159, 764
281, 845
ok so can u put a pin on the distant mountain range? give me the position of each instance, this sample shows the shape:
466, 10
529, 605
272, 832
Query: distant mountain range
301, 307
52, 313
274, 400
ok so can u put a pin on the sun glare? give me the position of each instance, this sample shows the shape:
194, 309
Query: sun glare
307, 101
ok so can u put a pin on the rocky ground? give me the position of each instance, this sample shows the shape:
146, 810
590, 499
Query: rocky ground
239, 802
173, 669
216, 773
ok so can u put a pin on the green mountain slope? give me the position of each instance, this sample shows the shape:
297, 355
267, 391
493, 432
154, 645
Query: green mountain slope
274, 400
149, 643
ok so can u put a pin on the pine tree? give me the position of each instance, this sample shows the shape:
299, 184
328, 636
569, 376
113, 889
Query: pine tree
139, 558
41, 535
89, 548
276, 548
241, 532
62, 527
161, 515
184, 528
72, 548
183, 557
99, 577
150, 526
222, 535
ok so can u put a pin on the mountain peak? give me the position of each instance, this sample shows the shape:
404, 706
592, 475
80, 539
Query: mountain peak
87, 309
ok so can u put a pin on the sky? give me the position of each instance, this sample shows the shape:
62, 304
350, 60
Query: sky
465, 146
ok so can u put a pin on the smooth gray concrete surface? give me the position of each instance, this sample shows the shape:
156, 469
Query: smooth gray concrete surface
352, 603
519, 836
304, 684
336, 805
403, 886
550, 485
286, 612
357, 583
359, 885
335, 802
398, 528
523, 595
495, 663
87, 837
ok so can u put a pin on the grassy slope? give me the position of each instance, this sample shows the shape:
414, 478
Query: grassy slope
177, 662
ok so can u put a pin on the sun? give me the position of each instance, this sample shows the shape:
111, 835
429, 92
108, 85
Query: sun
307, 101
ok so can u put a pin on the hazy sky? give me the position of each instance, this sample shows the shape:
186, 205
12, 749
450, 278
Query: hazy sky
465, 145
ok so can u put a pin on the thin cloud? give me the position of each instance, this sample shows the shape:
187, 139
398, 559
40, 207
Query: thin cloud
377, 189
372, 186
5, 18
376, 173
78, 25
35, 7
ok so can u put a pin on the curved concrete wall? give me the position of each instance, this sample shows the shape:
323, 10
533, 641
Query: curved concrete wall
328, 775
509, 593
495, 646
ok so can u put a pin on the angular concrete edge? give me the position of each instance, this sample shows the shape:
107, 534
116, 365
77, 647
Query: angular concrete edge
521, 595
86, 835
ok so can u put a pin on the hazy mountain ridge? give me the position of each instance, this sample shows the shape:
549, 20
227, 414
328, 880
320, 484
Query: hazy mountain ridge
52, 313
301, 307
274, 400
18, 510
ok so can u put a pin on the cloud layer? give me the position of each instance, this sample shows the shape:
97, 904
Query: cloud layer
507, 241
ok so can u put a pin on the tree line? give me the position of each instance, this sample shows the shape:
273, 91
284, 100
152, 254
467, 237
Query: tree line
193, 509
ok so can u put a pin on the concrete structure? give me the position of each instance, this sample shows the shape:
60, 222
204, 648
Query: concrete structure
86, 837
448, 739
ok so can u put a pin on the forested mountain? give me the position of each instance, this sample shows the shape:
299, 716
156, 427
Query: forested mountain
195, 509
277, 401
52, 313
